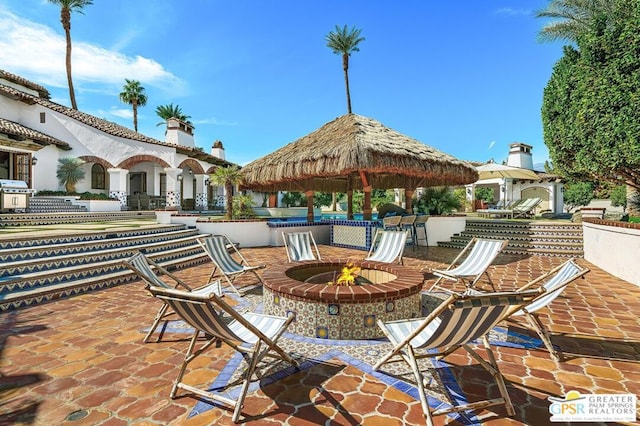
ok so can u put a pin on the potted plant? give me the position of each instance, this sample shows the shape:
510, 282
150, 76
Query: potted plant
70, 172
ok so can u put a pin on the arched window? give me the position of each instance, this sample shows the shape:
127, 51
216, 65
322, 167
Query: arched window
97, 177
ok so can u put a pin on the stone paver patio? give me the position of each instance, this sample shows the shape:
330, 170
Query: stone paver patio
81, 361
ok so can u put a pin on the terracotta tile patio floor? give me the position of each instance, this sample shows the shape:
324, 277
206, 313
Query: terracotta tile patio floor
81, 361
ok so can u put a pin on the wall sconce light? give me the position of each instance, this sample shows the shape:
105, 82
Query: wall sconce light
206, 181
190, 172
34, 160
179, 177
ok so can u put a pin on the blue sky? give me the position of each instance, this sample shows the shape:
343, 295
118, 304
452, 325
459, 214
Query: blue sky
464, 77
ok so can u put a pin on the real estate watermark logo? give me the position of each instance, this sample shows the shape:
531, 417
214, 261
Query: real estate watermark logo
575, 407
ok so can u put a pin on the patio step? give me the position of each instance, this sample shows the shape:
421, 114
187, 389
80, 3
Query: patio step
53, 267
561, 239
34, 219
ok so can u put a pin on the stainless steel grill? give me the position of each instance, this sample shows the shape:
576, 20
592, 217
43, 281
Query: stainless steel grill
14, 195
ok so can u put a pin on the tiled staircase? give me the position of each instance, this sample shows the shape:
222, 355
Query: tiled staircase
37, 270
34, 219
562, 239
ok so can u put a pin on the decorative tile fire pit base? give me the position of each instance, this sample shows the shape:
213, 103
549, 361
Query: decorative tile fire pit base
341, 312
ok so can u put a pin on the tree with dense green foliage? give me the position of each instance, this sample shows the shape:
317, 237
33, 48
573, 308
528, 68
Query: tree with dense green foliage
571, 18
577, 194
227, 177
322, 199
171, 111
66, 7
618, 197
590, 113
344, 41
438, 200
133, 94
484, 194
70, 172
294, 199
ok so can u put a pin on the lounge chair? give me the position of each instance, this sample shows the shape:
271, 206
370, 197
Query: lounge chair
526, 208
482, 253
390, 247
300, 246
455, 323
217, 248
150, 272
252, 335
554, 282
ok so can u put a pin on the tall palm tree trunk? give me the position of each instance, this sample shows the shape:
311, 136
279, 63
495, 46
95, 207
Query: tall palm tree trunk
228, 188
345, 67
135, 116
65, 17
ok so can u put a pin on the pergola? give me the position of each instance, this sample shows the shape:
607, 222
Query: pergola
351, 153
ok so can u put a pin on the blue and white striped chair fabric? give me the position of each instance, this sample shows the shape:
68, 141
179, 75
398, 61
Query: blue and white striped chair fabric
554, 282
482, 253
217, 248
300, 246
253, 335
390, 248
149, 271
456, 322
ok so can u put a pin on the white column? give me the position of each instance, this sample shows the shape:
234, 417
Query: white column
173, 187
201, 191
118, 184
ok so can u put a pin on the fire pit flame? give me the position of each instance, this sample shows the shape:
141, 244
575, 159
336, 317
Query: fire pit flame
347, 276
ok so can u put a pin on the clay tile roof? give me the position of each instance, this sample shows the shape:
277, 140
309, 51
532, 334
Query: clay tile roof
42, 91
18, 130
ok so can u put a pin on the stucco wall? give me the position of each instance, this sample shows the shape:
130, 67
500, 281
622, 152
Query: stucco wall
615, 249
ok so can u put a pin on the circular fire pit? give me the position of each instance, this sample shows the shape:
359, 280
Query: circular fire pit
386, 292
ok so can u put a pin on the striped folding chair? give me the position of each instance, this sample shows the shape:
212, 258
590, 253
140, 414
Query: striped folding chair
150, 272
481, 255
455, 323
254, 336
300, 246
390, 248
554, 282
217, 248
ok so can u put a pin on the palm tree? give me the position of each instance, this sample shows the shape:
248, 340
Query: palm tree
168, 111
227, 176
70, 172
66, 7
344, 41
573, 17
133, 94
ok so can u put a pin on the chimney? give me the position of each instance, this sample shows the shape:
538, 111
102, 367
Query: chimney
217, 150
179, 133
520, 156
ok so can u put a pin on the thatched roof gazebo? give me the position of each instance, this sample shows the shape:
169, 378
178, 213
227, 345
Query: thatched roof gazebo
354, 152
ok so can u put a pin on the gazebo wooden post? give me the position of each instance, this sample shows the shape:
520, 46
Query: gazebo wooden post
366, 188
349, 199
408, 200
309, 195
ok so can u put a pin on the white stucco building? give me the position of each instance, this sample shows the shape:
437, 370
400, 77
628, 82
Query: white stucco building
548, 187
35, 133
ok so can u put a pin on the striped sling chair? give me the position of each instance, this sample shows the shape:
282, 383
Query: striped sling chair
217, 248
300, 246
150, 272
254, 336
456, 322
481, 255
390, 248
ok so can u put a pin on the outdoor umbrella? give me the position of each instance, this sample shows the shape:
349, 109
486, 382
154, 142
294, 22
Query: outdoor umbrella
494, 170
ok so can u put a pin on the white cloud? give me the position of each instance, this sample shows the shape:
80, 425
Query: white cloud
214, 121
119, 112
29, 48
513, 12
492, 144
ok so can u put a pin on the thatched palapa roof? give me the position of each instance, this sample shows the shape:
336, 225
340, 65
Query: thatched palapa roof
335, 157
